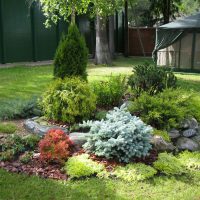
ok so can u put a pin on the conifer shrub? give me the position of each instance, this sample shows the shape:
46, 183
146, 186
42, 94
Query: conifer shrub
82, 166
72, 55
169, 164
167, 109
134, 172
151, 79
120, 136
69, 100
55, 146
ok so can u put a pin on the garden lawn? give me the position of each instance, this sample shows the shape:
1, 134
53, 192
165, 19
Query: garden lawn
22, 187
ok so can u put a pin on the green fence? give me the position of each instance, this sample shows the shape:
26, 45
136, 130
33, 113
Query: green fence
23, 36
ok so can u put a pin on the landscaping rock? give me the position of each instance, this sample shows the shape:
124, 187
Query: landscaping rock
36, 128
189, 133
190, 124
174, 133
187, 144
196, 139
79, 139
161, 145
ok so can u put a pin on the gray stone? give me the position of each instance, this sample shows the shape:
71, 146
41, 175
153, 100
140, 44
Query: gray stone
34, 127
174, 133
189, 133
79, 139
190, 124
196, 139
161, 145
187, 144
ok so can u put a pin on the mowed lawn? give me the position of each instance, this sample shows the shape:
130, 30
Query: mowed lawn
24, 83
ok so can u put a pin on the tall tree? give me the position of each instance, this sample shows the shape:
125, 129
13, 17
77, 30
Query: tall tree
54, 10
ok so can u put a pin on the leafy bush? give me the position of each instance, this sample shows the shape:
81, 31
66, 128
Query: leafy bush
163, 134
55, 146
82, 166
109, 93
15, 145
169, 164
26, 157
167, 109
151, 79
19, 109
71, 55
134, 172
120, 136
7, 128
69, 100
191, 160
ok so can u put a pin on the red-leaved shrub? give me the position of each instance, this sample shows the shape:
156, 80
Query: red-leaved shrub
55, 146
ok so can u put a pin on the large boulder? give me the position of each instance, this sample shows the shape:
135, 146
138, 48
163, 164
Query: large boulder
79, 139
34, 127
196, 139
161, 145
184, 143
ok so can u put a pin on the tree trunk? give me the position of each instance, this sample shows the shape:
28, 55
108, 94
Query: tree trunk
102, 50
111, 36
166, 11
73, 16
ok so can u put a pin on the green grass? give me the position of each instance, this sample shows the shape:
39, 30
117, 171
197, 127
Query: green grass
21, 187
8, 128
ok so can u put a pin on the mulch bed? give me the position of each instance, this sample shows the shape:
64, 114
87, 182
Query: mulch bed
54, 170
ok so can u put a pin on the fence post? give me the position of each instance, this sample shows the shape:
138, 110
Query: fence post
116, 32
126, 29
32, 14
1, 35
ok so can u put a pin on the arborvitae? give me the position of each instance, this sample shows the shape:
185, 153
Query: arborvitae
72, 55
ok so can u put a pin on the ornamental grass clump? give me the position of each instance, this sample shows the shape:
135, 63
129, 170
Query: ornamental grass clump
120, 136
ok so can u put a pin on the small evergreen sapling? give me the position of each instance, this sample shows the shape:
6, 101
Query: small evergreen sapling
120, 136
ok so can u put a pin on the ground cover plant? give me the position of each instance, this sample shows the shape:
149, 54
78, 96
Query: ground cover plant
7, 128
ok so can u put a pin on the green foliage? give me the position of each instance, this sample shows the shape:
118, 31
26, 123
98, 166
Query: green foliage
167, 109
151, 79
82, 166
120, 136
191, 160
69, 100
109, 93
15, 145
100, 115
20, 109
26, 157
169, 164
134, 172
7, 128
71, 55
163, 134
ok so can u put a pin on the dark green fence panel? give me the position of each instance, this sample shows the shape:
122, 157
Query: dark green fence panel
16, 31
45, 39
23, 36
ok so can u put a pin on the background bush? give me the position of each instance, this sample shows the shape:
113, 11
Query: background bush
166, 110
71, 55
109, 93
82, 166
120, 136
151, 79
69, 100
